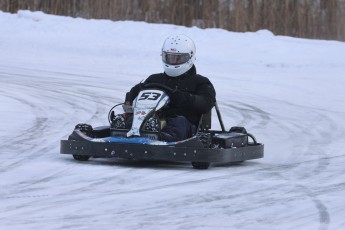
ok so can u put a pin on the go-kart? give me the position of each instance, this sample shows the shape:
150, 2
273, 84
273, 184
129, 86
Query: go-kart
142, 140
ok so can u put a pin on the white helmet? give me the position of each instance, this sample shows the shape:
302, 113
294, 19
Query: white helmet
178, 55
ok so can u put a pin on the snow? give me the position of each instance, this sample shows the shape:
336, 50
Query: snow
58, 71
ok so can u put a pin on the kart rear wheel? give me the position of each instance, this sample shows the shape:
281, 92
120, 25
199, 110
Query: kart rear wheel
81, 157
86, 129
201, 165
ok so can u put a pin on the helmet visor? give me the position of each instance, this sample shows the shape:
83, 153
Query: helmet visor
175, 58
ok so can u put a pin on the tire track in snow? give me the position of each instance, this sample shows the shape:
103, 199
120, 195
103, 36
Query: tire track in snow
250, 114
39, 94
302, 171
247, 114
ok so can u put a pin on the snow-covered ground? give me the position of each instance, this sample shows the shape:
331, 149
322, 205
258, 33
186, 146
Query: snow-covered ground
56, 72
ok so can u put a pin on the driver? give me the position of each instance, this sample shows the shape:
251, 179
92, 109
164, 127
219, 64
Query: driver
192, 95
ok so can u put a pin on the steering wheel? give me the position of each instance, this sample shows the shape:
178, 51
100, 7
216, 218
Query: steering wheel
167, 89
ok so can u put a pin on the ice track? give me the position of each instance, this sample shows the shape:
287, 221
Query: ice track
294, 187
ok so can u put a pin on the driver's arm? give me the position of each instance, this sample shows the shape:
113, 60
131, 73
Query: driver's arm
200, 101
133, 93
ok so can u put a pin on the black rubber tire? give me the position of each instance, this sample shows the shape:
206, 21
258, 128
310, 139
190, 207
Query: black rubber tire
238, 162
201, 165
71, 138
81, 157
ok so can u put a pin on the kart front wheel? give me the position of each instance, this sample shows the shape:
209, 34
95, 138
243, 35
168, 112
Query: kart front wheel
81, 157
201, 165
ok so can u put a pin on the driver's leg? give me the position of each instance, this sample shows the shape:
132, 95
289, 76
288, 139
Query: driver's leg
177, 129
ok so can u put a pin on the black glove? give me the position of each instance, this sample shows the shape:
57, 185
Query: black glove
179, 97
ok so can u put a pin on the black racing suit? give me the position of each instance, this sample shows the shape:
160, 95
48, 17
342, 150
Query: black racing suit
194, 95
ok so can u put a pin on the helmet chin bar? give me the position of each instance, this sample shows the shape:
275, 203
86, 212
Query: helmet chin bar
175, 71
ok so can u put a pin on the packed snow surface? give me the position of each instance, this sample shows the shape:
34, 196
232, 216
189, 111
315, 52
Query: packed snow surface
56, 72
